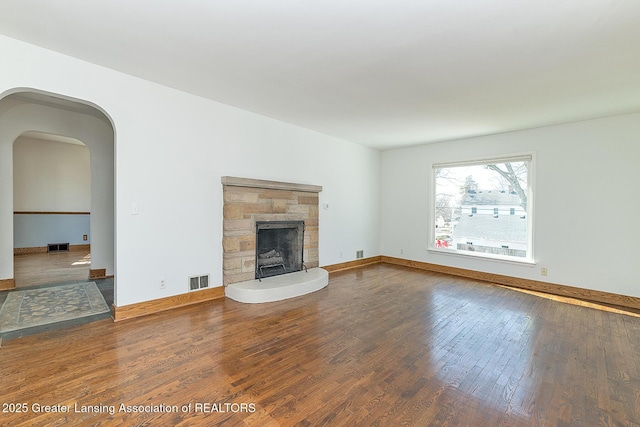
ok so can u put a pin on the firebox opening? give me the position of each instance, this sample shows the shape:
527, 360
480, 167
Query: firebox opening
279, 247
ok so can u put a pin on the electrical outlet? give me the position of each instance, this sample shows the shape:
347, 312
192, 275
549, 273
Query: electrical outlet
401, 251
543, 271
162, 284
85, 237
340, 255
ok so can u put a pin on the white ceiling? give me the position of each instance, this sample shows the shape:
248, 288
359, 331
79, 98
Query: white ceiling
379, 73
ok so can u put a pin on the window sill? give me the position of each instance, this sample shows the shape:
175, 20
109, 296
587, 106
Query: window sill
482, 256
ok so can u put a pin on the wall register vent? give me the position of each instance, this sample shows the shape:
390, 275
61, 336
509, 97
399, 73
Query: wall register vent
57, 247
198, 282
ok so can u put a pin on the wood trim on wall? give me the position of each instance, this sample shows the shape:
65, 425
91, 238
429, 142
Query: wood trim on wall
32, 250
43, 249
50, 213
516, 282
98, 273
154, 306
162, 304
7, 284
352, 264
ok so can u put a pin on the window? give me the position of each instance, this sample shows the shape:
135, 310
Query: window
468, 198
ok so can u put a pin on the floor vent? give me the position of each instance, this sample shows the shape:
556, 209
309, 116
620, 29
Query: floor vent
57, 247
198, 282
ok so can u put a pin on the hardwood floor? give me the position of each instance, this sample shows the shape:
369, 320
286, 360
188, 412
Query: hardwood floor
382, 345
54, 267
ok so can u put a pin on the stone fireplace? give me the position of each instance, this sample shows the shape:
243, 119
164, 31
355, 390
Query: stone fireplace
252, 203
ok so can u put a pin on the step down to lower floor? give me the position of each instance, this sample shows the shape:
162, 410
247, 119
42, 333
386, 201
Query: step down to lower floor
280, 287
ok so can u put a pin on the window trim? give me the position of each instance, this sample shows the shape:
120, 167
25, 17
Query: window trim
530, 258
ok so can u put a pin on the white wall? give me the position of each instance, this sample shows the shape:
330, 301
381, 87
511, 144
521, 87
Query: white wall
172, 148
50, 176
586, 228
35, 230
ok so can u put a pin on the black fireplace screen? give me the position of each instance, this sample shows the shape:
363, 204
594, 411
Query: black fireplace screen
279, 247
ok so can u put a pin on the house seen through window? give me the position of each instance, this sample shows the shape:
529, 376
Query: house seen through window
483, 208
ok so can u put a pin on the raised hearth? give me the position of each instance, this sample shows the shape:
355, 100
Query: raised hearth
280, 287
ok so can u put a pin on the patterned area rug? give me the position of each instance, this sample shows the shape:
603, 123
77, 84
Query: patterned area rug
36, 307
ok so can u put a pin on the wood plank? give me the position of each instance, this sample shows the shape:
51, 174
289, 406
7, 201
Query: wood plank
381, 345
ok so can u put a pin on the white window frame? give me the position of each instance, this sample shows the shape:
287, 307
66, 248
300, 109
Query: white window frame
529, 259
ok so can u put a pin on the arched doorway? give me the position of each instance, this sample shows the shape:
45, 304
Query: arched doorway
32, 112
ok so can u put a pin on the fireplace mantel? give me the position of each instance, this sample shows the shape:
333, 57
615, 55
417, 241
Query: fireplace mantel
272, 185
